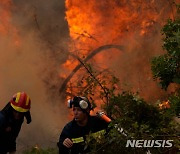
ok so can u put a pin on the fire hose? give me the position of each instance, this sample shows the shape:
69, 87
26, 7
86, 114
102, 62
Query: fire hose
104, 117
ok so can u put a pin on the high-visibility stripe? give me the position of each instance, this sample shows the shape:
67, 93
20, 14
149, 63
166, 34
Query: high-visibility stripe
99, 133
78, 140
95, 135
19, 109
17, 97
27, 101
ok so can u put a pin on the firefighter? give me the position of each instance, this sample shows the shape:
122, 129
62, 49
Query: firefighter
73, 136
11, 119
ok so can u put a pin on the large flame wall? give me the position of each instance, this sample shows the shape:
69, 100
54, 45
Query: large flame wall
134, 24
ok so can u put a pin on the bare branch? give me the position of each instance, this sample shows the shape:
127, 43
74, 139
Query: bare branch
91, 55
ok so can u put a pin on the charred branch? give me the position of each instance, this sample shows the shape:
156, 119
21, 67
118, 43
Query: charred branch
103, 88
87, 35
91, 55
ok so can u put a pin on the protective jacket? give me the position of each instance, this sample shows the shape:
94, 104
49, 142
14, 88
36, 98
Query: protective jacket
78, 135
9, 129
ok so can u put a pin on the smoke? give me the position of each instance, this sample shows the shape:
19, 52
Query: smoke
33, 38
33, 45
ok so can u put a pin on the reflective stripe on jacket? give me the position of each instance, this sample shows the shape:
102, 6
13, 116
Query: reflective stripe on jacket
77, 134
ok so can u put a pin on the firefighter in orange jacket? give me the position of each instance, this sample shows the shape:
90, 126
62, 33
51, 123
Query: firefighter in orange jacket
11, 119
73, 136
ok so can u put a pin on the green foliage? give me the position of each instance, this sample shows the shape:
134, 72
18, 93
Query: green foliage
94, 84
139, 121
174, 109
166, 67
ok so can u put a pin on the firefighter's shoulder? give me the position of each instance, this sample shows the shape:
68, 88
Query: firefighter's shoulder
96, 120
2, 119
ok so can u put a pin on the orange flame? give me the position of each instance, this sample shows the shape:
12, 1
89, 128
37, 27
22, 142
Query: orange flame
107, 21
6, 27
164, 105
96, 23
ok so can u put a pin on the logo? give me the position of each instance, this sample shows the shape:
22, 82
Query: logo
149, 143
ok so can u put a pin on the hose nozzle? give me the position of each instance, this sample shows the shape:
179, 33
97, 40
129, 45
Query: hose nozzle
103, 116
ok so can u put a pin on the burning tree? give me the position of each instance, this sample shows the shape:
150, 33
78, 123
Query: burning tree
139, 119
131, 25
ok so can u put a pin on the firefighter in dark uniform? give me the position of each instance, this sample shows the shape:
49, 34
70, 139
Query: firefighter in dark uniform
73, 136
11, 119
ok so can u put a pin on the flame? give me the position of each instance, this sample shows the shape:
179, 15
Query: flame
68, 64
6, 27
101, 20
164, 105
96, 23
